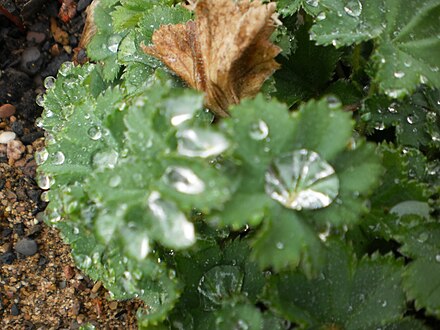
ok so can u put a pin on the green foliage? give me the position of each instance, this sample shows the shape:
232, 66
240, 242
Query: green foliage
315, 204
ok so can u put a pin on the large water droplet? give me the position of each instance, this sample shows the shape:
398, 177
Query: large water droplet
199, 142
321, 16
41, 156
259, 130
49, 82
44, 181
437, 258
115, 181
353, 8
312, 3
399, 74
58, 158
302, 180
219, 284
94, 133
65, 68
396, 93
172, 221
183, 180
40, 100
113, 43
105, 159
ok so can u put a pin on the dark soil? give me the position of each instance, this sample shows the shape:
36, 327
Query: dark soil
40, 288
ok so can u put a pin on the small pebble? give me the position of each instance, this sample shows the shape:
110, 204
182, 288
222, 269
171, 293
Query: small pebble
7, 258
31, 137
113, 305
7, 110
5, 137
14, 310
15, 149
26, 246
31, 60
17, 128
37, 37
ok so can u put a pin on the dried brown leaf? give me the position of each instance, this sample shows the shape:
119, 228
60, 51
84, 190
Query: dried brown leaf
225, 52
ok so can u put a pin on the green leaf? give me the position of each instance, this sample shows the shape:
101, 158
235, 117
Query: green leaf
349, 293
289, 7
286, 240
306, 72
406, 36
422, 275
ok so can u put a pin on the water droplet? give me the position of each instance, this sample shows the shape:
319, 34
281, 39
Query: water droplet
76, 230
333, 102
40, 100
45, 196
407, 64
399, 74
144, 248
58, 158
65, 68
392, 108
423, 237
41, 156
44, 181
183, 180
312, 3
384, 303
199, 142
115, 181
396, 93
171, 221
325, 234
94, 133
434, 68
259, 130
380, 126
113, 43
353, 8
302, 180
279, 246
105, 159
423, 79
321, 16
411, 119
49, 82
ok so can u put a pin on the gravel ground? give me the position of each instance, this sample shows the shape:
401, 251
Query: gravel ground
40, 288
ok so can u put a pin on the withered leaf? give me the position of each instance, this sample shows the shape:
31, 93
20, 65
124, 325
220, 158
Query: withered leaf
224, 52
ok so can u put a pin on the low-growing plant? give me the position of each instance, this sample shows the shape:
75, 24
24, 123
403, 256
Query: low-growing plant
313, 205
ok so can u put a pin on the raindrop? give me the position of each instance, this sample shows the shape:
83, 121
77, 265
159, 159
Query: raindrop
41, 156
199, 142
437, 258
94, 133
65, 68
44, 196
279, 246
44, 181
183, 108
423, 79
302, 180
259, 130
105, 159
76, 230
392, 108
321, 16
384, 303
183, 180
324, 234
333, 102
396, 93
115, 181
353, 8
423, 237
49, 82
171, 220
411, 119
40, 100
58, 158
113, 43
407, 64
399, 74
312, 3
380, 126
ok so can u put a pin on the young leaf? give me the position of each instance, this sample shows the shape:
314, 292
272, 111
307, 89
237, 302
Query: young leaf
349, 293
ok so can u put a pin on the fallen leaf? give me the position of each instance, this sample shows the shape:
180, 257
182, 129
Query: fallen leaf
224, 52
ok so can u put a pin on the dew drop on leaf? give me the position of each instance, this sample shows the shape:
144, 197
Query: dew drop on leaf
94, 133
183, 180
105, 159
302, 180
44, 181
437, 258
279, 245
259, 130
199, 142
312, 3
218, 284
399, 74
44, 196
115, 181
58, 158
65, 68
172, 221
49, 82
39, 100
321, 16
353, 8
41, 156
113, 43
